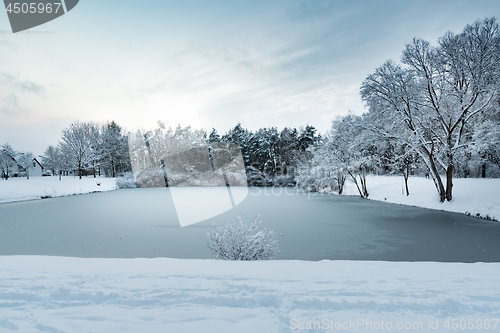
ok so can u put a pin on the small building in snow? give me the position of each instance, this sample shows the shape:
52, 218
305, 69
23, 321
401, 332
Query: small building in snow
35, 169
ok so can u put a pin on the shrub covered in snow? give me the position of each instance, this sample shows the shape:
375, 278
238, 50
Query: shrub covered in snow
242, 240
126, 181
150, 177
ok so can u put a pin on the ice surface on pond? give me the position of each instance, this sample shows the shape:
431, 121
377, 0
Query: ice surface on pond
202, 203
143, 223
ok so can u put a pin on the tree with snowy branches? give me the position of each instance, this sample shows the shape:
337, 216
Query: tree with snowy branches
440, 91
52, 160
113, 149
78, 145
7, 160
25, 160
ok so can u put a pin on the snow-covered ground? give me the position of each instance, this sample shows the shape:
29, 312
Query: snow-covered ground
54, 294
22, 189
470, 195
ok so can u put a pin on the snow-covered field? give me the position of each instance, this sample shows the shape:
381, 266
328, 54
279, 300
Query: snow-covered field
54, 294
22, 189
470, 195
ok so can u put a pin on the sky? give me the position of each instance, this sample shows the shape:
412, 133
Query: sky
205, 63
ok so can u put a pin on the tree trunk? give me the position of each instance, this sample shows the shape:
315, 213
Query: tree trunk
165, 172
449, 182
341, 181
434, 173
362, 178
354, 178
483, 170
406, 174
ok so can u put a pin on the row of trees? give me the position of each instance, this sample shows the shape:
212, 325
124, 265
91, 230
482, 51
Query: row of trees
271, 156
89, 148
438, 111
268, 156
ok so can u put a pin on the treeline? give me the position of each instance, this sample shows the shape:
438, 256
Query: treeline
269, 156
89, 148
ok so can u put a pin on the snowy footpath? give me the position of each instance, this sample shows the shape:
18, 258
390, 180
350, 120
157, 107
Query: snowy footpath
55, 294
22, 189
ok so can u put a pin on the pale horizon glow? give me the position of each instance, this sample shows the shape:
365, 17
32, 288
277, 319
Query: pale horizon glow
199, 64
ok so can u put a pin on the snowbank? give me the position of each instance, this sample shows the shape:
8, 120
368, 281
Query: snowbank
22, 189
55, 294
470, 195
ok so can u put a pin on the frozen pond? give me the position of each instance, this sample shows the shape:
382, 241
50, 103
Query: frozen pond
143, 223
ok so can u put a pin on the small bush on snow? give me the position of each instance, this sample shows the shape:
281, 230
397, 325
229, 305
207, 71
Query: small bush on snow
242, 240
126, 181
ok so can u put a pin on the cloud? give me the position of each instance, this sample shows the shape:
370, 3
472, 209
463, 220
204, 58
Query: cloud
10, 106
263, 78
18, 85
11, 88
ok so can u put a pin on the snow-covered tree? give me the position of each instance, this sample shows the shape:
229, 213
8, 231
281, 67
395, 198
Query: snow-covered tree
348, 150
440, 91
324, 170
243, 240
96, 145
288, 146
180, 153
264, 150
113, 149
404, 160
241, 137
352, 146
307, 138
7, 160
78, 144
25, 160
214, 136
486, 146
52, 159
